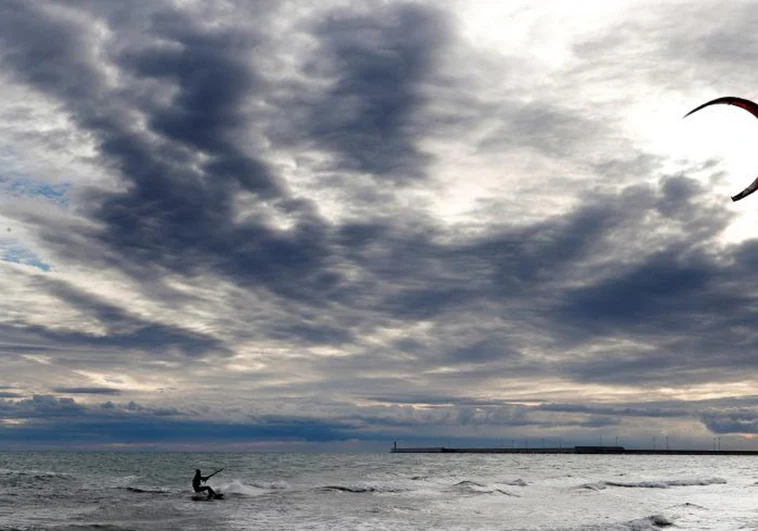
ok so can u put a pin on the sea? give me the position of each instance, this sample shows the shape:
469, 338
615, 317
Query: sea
308, 491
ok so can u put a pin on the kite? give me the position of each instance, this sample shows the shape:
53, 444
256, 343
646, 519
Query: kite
750, 107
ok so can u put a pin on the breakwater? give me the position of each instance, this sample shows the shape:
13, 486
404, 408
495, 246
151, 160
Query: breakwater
568, 450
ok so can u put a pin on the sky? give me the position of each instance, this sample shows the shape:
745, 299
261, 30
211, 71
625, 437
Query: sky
276, 225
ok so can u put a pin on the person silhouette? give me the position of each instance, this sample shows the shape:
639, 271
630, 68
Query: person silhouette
200, 479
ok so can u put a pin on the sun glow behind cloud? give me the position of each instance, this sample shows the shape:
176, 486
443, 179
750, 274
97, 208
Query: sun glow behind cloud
653, 118
544, 31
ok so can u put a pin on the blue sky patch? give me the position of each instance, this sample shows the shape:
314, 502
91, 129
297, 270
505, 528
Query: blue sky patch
14, 252
20, 186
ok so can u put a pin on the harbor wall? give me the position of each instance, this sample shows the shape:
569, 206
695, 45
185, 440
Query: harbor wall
569, 450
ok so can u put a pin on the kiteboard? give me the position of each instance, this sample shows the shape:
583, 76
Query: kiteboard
204, 497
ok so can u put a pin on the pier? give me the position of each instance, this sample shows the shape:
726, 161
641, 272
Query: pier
615, 450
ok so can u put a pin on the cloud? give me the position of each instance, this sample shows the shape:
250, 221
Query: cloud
122, 331
351, 221
87, 390
731, 421
10, 394
45, 406
181, 172
617, 411
376, 63
44, 417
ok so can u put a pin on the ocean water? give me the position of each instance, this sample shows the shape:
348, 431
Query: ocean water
280, 491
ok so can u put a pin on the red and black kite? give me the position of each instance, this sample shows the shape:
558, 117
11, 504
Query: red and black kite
750, 107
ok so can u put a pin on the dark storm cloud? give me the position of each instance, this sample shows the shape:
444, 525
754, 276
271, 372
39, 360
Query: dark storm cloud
491, 349
10, 394
686, 299
146, 337
528, 257
646, 294
316, 333
44, 418
617, 410
694, 304
600, 273
87, 390
379, 61
521, 265
421, 278
40, 406
43, 407
136, 430
175, 212
734, 421
683, 303
48, 418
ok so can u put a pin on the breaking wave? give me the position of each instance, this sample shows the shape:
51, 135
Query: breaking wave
478, 488
271, 485
146, 491
360, 489
663, 484
649, 523
96, 527
688, 505
654, 522
34, 474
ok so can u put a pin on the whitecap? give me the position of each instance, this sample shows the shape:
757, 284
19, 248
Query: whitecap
660, 484
479, 488
367, 488
244, 489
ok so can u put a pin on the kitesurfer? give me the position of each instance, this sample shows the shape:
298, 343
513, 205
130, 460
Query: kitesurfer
200, 479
